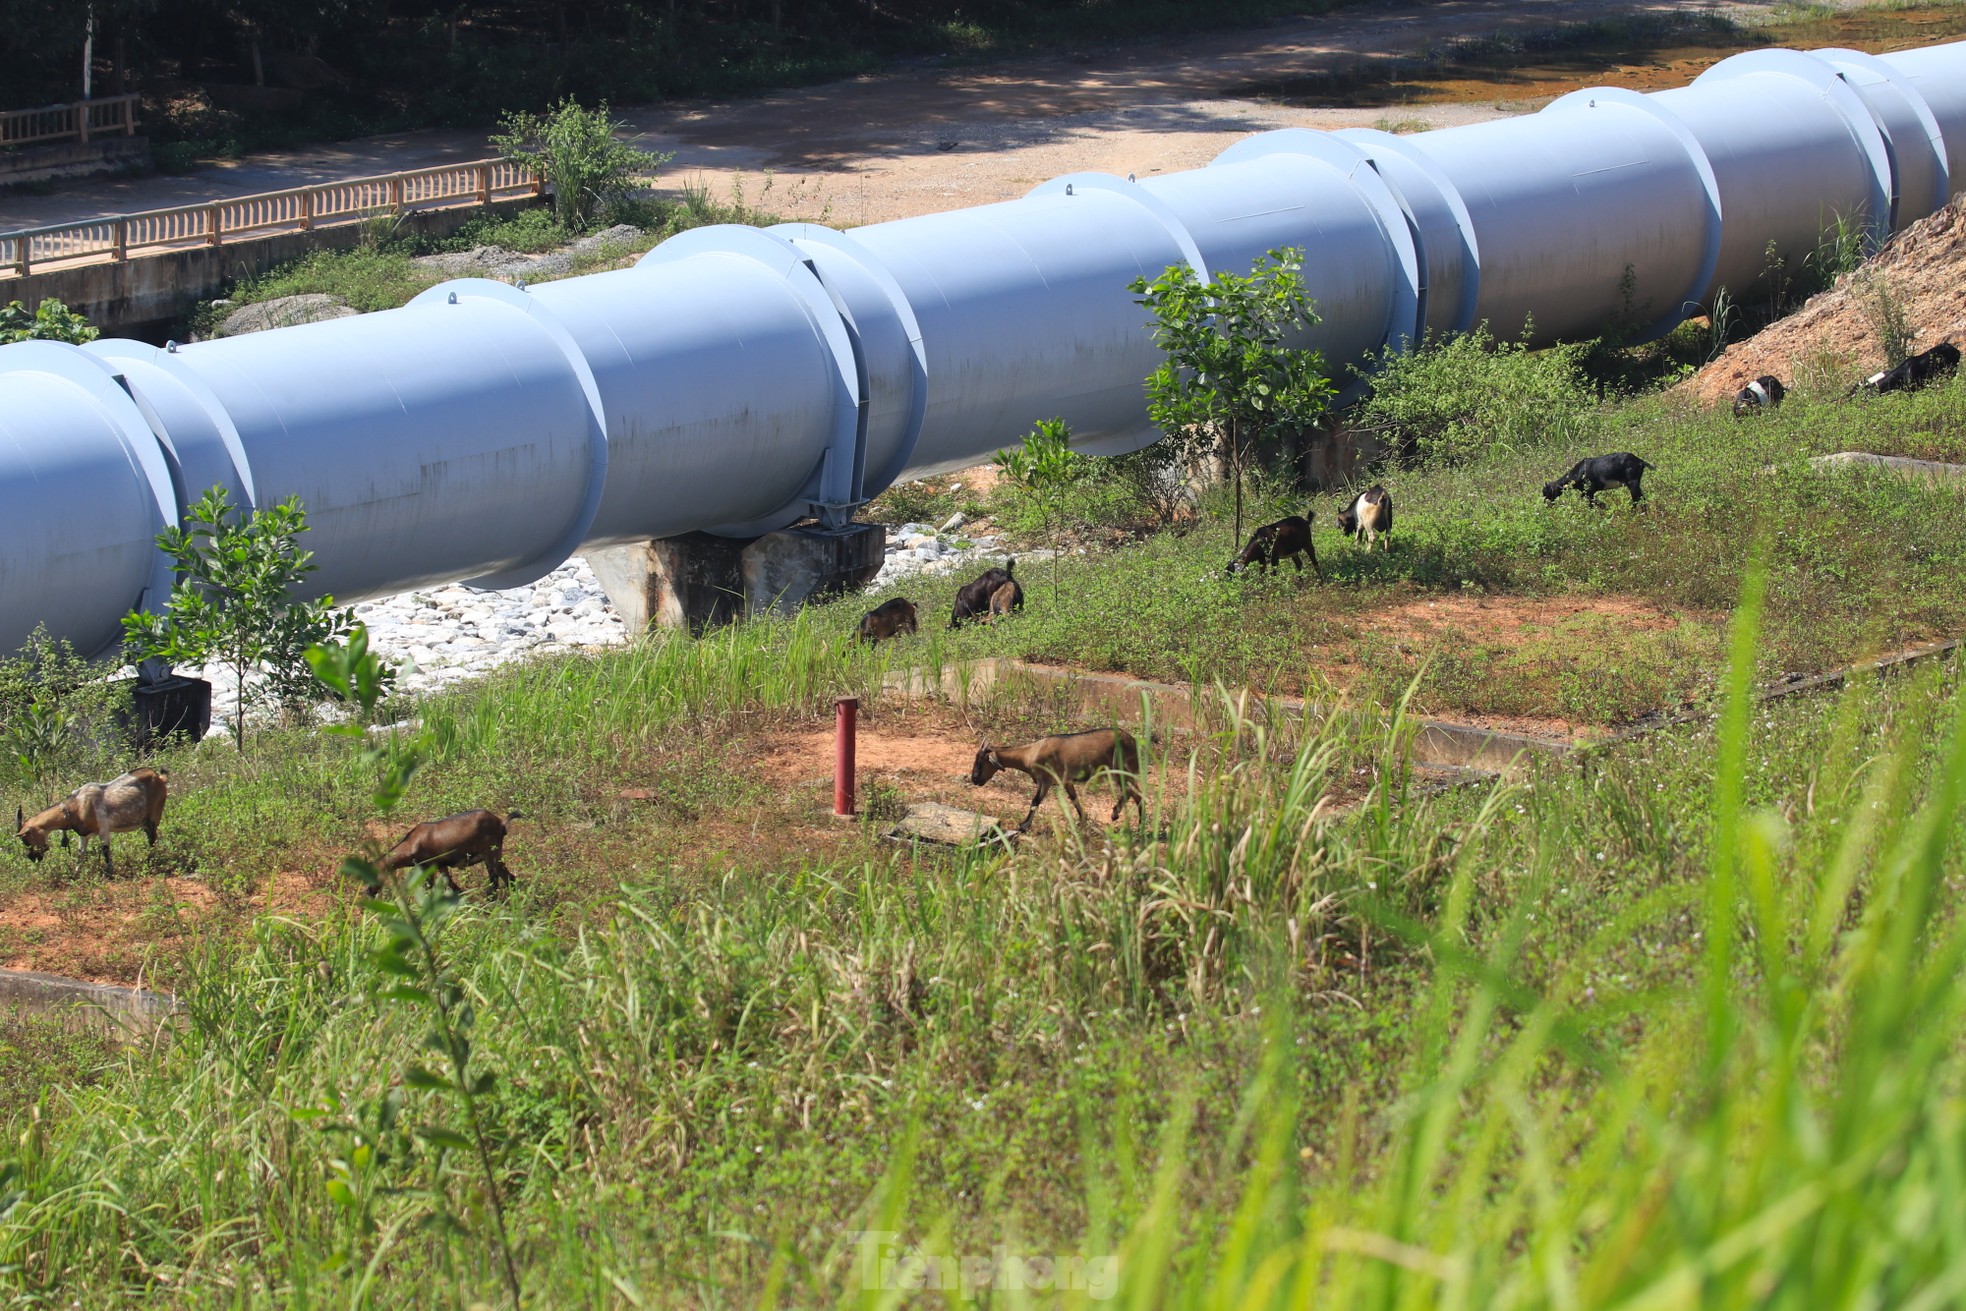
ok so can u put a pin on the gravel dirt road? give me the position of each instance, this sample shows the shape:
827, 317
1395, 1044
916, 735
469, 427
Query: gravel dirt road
928, 136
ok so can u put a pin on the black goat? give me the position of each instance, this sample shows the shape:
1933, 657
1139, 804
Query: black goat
1273, 543
1764, 393
1915, 372
973, 599
1618, 469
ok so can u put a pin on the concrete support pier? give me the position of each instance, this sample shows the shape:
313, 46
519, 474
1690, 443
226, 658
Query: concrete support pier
698, 581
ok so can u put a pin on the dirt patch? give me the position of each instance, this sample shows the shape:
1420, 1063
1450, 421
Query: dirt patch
1508, 620
1662, 50
1833, 339
128, 930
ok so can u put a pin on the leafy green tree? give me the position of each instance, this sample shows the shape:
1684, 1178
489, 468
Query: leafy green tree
576, 151
1229, 380
1045, 465
234, 602
52, 321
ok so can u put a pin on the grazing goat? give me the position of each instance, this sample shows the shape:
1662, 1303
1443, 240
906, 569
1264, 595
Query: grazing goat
1068, 759
973, 600
1915, 372
1369, 516
1618, 469
124, 804
1764, 393
888, 619
1273, 543
1004, 600
452, 843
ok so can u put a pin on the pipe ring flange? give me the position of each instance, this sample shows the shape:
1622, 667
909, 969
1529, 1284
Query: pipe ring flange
1404, 317
783, 258
904, 313
1701, 285
1842, 97
1162, 212
1369, 141
119, 351
1935, 137
570, 538
95, 378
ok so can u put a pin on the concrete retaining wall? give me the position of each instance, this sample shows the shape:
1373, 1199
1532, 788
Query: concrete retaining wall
74, 159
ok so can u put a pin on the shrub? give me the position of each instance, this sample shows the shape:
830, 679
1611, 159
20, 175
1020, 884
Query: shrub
52, 321
1470, 395
575, 150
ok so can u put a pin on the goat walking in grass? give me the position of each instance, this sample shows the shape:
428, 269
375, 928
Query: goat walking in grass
1591, 476
1273, 543
1067, 759
96, 810
887, 620
1764, 393
456, 842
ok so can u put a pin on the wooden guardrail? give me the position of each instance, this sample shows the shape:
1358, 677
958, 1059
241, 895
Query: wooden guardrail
299, 209
78, 120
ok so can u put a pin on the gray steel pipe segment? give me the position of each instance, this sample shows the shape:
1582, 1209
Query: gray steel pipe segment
735, 380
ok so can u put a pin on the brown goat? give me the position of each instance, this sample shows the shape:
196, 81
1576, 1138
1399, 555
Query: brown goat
888, 619
124, 804
1273, 543
1004, 600
455, 842
1067, 759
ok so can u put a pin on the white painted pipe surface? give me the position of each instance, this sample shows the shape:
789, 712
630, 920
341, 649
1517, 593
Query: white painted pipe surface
735, 381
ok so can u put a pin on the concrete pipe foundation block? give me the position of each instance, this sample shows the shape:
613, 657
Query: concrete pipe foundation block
698, 581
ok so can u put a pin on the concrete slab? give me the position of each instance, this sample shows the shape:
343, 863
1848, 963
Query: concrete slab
129, 1013
948, 826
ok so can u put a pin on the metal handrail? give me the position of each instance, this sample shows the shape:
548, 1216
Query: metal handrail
297, 209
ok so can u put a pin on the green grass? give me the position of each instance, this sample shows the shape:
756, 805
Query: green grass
1673, 1027
1257, 1042
1861, 564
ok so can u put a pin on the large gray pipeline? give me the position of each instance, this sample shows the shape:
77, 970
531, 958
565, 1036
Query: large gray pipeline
738, 380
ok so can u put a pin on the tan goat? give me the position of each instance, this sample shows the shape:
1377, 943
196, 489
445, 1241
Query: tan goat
1004, 600
1067, 759
96, 810
455, 842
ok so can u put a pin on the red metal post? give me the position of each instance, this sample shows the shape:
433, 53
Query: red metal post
846, 709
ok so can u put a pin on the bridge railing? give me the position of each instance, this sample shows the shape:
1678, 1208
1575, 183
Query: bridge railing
298, 209
79, 120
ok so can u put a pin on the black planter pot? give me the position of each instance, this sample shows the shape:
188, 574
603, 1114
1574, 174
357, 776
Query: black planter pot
172, 708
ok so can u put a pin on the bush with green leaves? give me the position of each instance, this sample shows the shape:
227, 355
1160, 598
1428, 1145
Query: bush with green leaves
576, 151
50, 321
1468, 396
1229, 382
235, 603
57, 711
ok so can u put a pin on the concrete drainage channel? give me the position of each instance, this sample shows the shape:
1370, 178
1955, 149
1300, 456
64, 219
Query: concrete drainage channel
126, 1014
